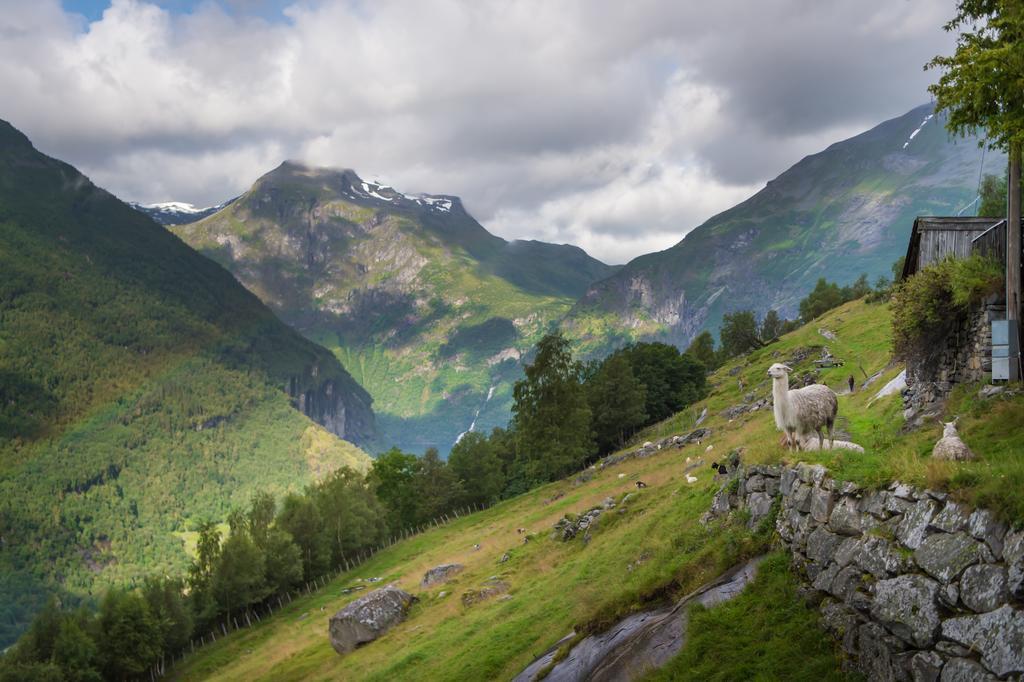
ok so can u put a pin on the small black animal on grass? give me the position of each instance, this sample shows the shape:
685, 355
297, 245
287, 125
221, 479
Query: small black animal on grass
720, 468
641, 484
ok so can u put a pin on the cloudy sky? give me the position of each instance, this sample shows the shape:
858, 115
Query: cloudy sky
615, 125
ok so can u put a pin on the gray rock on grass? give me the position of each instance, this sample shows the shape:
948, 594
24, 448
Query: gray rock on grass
440, 574
368, 617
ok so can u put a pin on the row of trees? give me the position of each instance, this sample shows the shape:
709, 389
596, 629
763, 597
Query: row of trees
269, 550
567, 413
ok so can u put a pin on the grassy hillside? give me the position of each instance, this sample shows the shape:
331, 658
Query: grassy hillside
845, 210
653, 550
427, 309
141, 388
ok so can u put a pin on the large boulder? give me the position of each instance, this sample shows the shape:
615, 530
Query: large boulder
440, 574
367, 618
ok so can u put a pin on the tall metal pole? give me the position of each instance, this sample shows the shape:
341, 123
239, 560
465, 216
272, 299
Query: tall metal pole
1013, 250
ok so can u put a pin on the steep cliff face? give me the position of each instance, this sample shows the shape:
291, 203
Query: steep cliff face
835, 214
341, 406
429, 311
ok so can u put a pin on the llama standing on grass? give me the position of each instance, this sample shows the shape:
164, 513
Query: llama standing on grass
802, 410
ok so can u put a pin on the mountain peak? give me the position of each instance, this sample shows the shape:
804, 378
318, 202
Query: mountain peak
348, 185
11, 137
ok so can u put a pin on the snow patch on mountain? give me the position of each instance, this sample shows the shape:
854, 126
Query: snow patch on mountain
917, 130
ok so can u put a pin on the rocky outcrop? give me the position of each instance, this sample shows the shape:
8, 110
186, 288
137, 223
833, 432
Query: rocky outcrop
640, 642
571, 525
367, 618
339, 404
492, 588
440, 574
910, 583
650, 447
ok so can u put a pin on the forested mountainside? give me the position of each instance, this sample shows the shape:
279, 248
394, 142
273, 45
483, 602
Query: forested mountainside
844, 211
429, 311
141, 388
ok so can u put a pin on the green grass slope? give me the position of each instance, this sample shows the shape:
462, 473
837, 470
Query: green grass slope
141, 387
846, 210
427, 309
651, 549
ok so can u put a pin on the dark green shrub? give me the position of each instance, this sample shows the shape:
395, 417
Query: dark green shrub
928, 306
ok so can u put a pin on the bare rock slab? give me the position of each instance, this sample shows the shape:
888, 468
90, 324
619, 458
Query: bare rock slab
367, 618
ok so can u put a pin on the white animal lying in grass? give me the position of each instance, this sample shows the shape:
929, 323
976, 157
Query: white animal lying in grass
950, 446
810, 442
691, 479
802, 410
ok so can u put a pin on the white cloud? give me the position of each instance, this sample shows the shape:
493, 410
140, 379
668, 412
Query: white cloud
615, 126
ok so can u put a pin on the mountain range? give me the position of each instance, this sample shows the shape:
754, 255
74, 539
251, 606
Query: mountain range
142, 389
838, 213
433, 315
428, 311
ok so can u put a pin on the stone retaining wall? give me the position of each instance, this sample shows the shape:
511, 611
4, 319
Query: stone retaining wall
966, 358
914, 586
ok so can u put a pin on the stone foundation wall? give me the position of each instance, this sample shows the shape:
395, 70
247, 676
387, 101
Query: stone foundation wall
914, 586
965, 359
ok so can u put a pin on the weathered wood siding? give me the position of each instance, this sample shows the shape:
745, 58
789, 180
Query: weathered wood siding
939, 243
936, 238
992, 242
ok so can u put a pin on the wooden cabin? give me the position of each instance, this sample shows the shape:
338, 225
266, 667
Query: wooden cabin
933, 238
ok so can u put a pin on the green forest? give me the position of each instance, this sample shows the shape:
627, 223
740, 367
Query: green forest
141, 390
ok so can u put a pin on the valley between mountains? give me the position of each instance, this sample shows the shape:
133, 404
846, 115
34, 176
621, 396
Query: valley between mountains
434, 316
